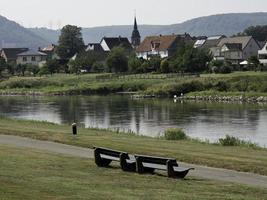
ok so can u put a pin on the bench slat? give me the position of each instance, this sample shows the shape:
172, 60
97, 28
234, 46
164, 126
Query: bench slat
109, 157
155, 166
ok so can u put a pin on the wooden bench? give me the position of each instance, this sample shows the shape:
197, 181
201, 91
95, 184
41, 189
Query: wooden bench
148, 164
104, 156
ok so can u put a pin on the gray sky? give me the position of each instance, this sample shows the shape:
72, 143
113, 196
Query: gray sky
89, 13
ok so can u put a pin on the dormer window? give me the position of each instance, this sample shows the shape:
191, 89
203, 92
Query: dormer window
155, 45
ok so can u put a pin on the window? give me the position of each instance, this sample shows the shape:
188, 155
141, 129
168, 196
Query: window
24, 59
33, 58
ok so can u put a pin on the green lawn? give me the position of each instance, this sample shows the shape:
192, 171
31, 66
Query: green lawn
237, 158
29, 174
238, 83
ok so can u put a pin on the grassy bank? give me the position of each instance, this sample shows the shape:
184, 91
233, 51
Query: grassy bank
253, 83
28, 174
237, 158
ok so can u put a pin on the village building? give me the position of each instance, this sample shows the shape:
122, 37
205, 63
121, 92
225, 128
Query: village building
211, 43
94, 47
163, 46
10, 54
31, 57
136, 38
108, 43
238, 49
263, 55
50, 51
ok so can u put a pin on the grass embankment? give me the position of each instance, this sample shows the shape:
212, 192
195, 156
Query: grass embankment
28, 174
236, 158
252, 83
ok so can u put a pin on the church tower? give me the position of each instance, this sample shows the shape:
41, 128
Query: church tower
136, 38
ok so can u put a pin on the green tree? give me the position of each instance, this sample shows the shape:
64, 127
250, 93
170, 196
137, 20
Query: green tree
44, 70
33, 69
52, 66
190, 59
253, 62
98, 67
117, 60
135, 65
154, 63
75, 66
258, 32
70, 42
165, 66
20, 69
3, 65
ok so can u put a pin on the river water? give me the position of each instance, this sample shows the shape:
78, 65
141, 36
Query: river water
203, 120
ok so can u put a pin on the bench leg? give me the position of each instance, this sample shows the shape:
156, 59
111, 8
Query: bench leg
100, 162
141, 169
128, 167
170, 169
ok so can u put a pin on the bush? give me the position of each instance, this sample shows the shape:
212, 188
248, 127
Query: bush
233, 141
175, 134
226, 70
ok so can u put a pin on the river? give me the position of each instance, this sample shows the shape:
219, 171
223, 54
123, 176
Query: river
203, 120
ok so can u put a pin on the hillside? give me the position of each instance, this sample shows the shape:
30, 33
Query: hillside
14, 35
227, 24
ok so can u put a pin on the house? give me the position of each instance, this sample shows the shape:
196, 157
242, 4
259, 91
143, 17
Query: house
50, 51
162, 45
232, 52
108, 43
10, 54
32, 57
211, 43
263, 55
238, 49
94, 47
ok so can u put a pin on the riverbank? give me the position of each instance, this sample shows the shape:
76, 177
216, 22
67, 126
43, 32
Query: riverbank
238, 84
238, 158
32, 174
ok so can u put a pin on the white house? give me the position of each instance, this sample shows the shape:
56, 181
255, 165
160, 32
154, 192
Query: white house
263, 55
32, 57
162, 45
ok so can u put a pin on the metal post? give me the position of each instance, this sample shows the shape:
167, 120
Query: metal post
74, 129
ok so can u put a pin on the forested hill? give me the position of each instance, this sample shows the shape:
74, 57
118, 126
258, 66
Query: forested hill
227, 24
14, 35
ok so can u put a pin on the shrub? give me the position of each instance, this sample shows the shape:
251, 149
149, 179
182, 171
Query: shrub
229, 141
226, 70
233, 141
175, 134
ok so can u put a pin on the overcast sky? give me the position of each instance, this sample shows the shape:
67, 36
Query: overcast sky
89, 13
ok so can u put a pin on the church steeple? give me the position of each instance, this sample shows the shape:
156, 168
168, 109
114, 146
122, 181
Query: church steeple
136, 38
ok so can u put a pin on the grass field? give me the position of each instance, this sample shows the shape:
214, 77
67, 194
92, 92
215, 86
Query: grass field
29, 174
237, 158
236, 83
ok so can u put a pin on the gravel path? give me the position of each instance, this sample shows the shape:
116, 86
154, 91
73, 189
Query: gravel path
200, 171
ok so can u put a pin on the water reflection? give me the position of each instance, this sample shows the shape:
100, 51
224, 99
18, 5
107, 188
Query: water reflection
203, 120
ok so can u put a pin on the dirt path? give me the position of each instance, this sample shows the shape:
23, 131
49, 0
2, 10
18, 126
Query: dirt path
200, 171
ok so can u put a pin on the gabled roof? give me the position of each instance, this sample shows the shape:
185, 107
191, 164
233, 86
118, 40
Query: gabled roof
234, 46
212, 41
117, 41
11, 53
32, 53
161, 43
94, 47
244, 40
